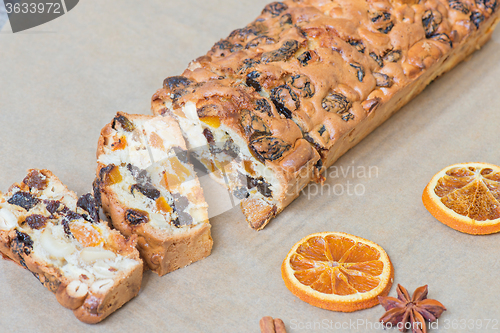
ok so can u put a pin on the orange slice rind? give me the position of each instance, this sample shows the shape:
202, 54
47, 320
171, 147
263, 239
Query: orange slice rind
337, 271
466, 197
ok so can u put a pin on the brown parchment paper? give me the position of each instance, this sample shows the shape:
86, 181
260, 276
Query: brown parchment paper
61, 82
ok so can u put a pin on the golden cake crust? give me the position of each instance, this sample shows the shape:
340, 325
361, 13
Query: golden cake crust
327, 72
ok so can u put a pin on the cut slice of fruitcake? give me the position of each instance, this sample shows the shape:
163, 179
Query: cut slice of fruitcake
46, 229
147, 187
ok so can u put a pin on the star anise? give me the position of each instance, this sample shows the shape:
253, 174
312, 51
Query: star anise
407, 312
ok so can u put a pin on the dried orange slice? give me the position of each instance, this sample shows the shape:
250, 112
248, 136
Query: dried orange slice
338, 271
466, 197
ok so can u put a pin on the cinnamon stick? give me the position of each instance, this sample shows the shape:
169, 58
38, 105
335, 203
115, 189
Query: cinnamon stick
270, 325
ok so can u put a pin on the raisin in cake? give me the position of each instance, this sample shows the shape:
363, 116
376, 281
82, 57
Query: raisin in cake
46, 229
307, 80
148, 188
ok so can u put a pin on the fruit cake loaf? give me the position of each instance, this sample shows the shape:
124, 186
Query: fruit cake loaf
148, 188
308, 79
46, 229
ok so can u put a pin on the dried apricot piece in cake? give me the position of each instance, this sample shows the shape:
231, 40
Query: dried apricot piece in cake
338, 271
46, 229
148, 188
466, 197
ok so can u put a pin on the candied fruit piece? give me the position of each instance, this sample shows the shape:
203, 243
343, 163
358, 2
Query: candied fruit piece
179, 173
304, 58
285, 100
383, 22
431, 20
24, 200
136, 216
383, 80
251, 81
261, 185
476, 18
22, 242
336, 102
263, 106
209, 136
443, 38
156, 141
120, 144
358, 45
488, 5
360, 71
275, 8
163, 206
35, 180
36, 221
458, 5
147, 190
208, 164
211, 121
249, 168
113, 177
253, 124
124, 122
268, 148
86, 235
52, 205
88, 203
285, 52
377, 59
303, 84
393, 56
177, 82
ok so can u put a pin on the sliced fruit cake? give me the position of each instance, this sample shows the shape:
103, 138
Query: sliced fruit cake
46, 229
147, 187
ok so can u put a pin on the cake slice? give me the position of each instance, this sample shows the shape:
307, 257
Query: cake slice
46, 229
148, 188
292, 91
